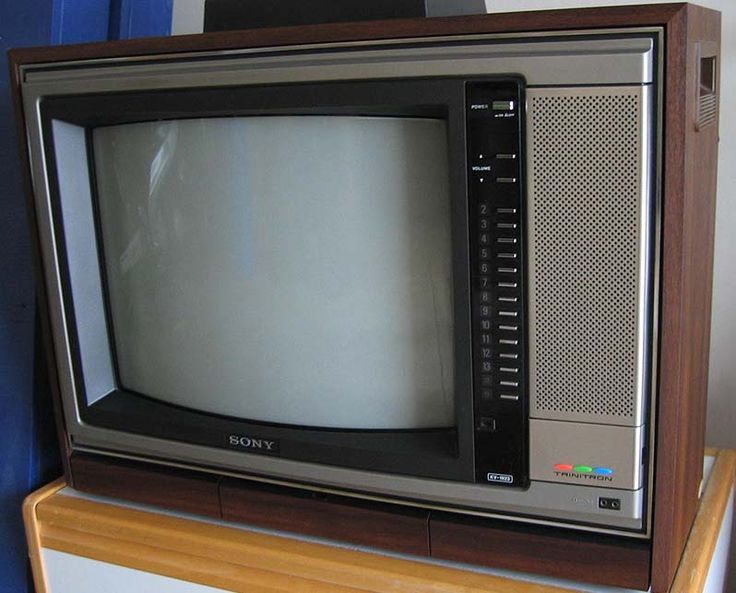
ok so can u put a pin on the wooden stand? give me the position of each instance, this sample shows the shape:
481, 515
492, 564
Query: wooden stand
238, 559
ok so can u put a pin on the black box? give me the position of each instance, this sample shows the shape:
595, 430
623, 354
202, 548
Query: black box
227, 15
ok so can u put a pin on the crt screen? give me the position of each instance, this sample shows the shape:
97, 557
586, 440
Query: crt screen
288, 269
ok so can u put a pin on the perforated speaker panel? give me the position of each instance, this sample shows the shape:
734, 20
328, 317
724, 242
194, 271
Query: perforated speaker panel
588, 215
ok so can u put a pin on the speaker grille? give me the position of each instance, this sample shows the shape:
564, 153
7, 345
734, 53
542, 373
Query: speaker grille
584, 216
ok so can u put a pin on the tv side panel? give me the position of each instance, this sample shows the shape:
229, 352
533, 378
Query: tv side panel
15, 62
689, 190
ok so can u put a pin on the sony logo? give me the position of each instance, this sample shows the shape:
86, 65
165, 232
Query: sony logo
251, 443
584, 476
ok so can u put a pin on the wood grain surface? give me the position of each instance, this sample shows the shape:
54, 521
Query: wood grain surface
391, 527
693, 568
241, 560
33, 531
689, 193
566, 555
170, 488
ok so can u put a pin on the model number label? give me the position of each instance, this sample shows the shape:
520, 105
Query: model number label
500, 478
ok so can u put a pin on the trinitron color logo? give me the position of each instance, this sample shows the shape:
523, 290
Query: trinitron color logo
583, 472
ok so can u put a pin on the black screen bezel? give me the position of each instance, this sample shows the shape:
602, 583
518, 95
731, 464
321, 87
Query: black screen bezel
439, 453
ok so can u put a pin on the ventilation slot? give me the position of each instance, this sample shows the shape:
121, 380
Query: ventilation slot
584, 210
707, 92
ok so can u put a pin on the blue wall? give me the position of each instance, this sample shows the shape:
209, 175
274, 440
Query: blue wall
30, 455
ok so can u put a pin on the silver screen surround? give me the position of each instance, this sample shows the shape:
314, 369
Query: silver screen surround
591, 61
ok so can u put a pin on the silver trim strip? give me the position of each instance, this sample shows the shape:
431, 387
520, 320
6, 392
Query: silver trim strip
595, 61
342, 45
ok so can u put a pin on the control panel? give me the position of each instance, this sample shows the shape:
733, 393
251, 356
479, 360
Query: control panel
495, 120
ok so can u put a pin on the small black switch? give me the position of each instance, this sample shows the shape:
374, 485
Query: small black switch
487, 424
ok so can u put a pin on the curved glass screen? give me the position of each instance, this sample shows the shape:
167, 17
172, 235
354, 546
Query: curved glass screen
288, 269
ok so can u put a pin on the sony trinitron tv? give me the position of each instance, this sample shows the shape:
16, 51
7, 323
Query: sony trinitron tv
455, 268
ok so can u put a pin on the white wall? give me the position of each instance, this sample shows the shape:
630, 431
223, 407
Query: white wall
187, 17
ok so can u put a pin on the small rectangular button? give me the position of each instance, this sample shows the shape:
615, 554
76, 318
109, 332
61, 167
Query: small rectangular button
509, 328
506, 240
505, 225
508, 342
508, 313
509, 355
506, 210
506, 156
505, 179
507, 284
502, 105
508, 370
509, 397
507, 255
507, 270
504, 299
487, 424
509, 383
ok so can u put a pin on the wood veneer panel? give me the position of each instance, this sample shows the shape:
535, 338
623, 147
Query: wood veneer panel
43, 315
689, 184
391, 527
546, 20
562, 554
167, 487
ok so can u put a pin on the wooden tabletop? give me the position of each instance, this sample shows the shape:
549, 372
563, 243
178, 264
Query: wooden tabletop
235, 558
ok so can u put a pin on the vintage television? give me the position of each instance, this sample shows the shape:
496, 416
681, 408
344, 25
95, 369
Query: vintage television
459, 267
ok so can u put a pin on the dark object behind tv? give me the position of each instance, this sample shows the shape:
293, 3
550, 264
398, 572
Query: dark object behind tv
229, 15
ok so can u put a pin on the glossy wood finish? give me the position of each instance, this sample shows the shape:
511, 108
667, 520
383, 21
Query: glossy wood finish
685, 282
392, 527
242, 560
692, 572
689, 192
566, 555
171, 488
33, 531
